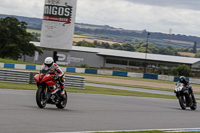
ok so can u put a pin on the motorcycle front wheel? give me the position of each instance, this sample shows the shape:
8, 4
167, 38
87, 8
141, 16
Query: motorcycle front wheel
62, 103
40, 98
182, 102
193, 106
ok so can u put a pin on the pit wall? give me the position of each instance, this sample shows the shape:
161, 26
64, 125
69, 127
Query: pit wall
101, 72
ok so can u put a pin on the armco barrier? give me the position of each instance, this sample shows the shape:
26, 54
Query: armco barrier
150, 76
118, 73
28, 78
74, 81
14, 76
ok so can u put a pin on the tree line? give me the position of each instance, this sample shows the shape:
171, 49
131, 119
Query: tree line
15, 40
140, 47
132, 33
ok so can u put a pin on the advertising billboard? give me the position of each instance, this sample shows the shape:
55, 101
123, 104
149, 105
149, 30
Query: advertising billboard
58, 24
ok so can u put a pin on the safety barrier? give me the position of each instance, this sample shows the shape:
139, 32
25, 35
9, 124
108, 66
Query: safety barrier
74, 81
150, 76
103, 72
91, 71
118, 73
16, 76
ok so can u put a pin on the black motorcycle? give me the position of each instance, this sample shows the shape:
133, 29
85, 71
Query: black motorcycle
184, 96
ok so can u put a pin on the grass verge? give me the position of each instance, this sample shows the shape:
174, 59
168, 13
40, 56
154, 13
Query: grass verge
14, 61
90, 90
134, 86
126, 85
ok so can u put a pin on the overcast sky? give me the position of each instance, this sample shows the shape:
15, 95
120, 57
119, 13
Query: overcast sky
182, 16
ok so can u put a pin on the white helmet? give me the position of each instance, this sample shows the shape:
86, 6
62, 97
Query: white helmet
48, 61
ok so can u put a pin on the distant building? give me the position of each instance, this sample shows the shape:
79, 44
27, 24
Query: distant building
98, 57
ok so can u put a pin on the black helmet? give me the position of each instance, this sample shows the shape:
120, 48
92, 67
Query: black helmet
182, 79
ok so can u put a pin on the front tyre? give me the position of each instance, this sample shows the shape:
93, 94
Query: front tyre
182, 102
194, 106
40, 98
62, 103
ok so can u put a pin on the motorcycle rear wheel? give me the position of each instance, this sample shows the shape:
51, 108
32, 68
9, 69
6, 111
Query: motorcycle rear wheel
40, 100
62, 103
182, 102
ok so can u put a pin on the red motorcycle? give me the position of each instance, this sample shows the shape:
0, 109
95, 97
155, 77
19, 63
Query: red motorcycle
49, 90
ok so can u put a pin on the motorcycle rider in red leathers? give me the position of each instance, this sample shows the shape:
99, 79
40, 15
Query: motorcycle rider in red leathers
55, 69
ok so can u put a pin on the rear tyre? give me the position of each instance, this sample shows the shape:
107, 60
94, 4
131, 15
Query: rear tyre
40, 99
182, 102
62, 103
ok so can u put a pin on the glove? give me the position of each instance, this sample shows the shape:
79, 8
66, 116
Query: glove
55, 77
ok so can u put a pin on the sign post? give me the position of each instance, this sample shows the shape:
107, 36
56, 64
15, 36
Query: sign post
58, 24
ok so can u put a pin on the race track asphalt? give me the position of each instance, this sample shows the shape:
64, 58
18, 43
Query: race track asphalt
89, 112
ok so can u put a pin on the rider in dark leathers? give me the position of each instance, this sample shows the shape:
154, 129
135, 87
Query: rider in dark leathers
186, 84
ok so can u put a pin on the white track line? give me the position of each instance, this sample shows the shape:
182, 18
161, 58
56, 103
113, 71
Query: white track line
166, 130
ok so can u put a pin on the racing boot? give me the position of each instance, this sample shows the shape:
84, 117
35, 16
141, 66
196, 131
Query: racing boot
62, 92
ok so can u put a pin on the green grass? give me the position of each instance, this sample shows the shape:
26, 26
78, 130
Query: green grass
90, 90
134, 86
80, 36
108, 91
14, 61
31, 30
8, 85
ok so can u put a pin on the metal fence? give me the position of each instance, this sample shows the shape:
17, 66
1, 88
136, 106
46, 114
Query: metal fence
16, 76
74, 81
